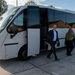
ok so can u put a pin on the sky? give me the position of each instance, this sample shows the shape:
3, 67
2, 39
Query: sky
62, 4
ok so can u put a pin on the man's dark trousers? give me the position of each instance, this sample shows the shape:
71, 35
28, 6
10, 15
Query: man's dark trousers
53, 50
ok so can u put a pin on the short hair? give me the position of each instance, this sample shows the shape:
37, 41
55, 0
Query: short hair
54, 24
70, 30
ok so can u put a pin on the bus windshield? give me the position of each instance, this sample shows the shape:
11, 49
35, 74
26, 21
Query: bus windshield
6, 17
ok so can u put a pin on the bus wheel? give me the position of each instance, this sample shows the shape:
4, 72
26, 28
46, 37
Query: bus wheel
22, 55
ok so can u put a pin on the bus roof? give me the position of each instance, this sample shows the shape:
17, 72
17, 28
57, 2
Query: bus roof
41, 6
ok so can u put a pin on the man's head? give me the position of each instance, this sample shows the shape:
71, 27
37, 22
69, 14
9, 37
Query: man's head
54, 27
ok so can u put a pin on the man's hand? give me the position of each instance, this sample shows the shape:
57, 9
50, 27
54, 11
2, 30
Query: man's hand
58, 44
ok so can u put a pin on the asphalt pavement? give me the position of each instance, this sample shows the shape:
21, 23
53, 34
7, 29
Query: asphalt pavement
40, 65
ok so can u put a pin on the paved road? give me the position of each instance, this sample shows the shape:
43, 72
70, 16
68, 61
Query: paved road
40, 65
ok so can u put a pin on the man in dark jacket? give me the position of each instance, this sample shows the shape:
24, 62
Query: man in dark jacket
52, 39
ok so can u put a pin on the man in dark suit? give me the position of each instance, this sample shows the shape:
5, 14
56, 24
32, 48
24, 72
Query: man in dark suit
52, 39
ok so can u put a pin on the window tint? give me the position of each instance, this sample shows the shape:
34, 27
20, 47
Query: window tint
59, 16
69, 18
50, 15
54, 15
74, 17
33, 16
19, 19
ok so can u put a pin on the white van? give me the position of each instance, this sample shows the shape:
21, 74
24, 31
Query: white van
23, 30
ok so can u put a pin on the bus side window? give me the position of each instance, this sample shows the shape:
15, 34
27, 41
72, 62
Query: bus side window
17, 25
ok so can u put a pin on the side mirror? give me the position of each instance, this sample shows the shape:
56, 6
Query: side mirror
13, 30
11, 36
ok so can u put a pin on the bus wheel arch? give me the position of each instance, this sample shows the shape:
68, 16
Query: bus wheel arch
22, 54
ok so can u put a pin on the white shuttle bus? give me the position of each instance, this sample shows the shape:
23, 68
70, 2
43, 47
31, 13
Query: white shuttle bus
23, 30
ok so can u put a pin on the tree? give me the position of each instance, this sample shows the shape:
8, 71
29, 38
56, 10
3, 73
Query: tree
30, 3
3, 7
51, 6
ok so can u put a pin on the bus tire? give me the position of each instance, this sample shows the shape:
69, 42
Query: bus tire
22, 55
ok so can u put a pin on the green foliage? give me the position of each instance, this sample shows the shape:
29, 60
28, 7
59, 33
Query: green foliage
51, 6
3, 6
30, 3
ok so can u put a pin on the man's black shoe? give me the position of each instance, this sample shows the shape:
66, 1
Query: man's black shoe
56, 59
48, 57
69, 54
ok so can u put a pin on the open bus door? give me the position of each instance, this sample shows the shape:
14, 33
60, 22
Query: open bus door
43, 28
37, 28
33, 30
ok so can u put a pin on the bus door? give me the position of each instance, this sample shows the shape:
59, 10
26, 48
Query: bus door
43, 28
33, 30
